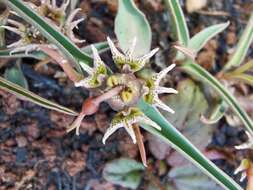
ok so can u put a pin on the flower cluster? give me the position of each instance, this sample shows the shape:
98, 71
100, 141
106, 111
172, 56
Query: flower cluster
121, 90
133, 87
30, 37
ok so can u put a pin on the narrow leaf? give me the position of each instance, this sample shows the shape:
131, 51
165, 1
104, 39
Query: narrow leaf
179, 22
242, 47
100, 46
200, 73
248, 79
174, 138
30, 96
51, 33
217, 113
243, 68
198, 41
130, 23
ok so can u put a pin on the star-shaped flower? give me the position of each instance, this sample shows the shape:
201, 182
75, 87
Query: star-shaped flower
27, 34
127, 119
152, 90
126, 62
96, 75
65, 23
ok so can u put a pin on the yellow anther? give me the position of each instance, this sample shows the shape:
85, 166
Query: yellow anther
126, 96
112, 81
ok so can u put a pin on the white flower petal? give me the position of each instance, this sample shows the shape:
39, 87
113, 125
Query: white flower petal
75, 23
160, 104
162, 90
15, 23
19, 44
86, 68
149, 122
163, 73
12, 29
115, 52
146, 57
54, 4
64, 5
243, 176
72, 16
246, 145
130, 131
243, 146
111, 130
96, 56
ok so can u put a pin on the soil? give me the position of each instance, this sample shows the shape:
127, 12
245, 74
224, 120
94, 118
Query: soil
35, 150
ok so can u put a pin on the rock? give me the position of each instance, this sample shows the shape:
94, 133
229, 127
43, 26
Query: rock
21, 141
195, 5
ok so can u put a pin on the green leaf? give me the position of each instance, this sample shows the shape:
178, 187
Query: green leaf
242, 47
187, 120
204, 76
198, 41
30, 96
189, 177
51, 33
124, 172
179, 22
217, 113
173, 137
241, 69
246, 78
130, 23
100, 46
15, 75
